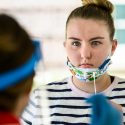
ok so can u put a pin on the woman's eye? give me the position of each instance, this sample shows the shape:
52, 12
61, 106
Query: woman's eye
76, 43
95, 43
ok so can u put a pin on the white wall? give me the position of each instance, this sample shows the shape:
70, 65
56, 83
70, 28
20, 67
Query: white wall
45, 19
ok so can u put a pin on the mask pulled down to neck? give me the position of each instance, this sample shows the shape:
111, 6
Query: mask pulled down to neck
89, 74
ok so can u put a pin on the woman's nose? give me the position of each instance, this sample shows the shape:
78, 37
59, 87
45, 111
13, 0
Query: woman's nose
85, 52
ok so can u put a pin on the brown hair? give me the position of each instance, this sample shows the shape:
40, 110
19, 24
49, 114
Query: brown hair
15, 49
97, 10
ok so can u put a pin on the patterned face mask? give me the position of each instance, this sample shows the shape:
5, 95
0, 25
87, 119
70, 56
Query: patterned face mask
89, 74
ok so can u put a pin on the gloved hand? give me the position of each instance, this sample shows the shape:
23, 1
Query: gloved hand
103, 112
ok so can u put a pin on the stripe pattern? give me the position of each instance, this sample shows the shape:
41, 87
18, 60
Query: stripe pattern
65, 106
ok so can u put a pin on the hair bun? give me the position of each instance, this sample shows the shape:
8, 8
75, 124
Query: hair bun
104, 4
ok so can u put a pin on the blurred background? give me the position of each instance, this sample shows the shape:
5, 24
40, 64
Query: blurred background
45, 21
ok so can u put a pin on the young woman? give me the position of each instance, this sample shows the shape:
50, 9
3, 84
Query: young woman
90, 45
17, 61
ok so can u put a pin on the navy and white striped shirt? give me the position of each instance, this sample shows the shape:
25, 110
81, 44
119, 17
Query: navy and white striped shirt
67, 104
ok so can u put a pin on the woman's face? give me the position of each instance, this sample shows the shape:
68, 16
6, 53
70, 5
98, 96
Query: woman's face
88, 43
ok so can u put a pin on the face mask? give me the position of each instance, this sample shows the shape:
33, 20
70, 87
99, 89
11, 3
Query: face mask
89, 74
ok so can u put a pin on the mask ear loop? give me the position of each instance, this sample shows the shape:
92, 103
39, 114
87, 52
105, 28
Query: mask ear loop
95, 91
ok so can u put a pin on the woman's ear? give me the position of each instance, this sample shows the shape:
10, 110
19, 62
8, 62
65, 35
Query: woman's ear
114, 46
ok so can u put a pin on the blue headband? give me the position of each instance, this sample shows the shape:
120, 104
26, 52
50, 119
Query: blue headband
14, 76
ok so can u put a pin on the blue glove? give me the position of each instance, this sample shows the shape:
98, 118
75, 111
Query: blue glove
103, 112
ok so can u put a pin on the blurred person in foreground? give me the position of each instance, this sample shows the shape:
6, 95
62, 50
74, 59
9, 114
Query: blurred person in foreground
18, 57
91, 95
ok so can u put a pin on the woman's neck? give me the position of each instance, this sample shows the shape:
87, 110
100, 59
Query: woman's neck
102, 83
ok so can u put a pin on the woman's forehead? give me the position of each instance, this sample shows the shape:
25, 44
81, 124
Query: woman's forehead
86, 22
86, 27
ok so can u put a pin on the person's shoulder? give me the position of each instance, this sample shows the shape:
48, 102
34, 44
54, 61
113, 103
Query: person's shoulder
56, 84
120, 80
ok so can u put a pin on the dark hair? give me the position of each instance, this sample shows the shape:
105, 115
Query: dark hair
15, 49
97, 10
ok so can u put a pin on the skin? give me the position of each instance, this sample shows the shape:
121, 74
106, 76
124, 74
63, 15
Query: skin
87, 45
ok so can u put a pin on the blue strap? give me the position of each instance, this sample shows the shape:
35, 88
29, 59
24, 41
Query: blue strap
38, 51
14, 76
105, 63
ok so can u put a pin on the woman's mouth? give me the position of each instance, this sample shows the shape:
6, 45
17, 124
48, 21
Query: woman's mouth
86, 65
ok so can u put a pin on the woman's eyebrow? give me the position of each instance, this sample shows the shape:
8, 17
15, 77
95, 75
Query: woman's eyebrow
95, 38
73, 38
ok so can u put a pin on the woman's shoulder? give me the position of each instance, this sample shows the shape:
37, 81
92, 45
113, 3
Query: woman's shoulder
119, 79
60, 84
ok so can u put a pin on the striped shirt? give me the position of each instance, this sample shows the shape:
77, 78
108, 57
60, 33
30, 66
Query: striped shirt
67, 104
